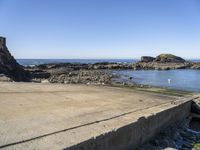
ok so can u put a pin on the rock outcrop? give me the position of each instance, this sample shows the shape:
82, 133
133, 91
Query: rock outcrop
9, 66
169, 58
71, 73
97, 77
195, 65
147, 59
162, 62
161, 66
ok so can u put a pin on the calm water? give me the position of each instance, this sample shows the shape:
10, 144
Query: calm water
27, 62
175, 79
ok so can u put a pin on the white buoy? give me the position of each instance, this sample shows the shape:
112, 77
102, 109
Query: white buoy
169, 81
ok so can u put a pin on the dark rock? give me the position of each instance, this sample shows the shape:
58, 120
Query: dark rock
166, 58
195, 65
43, 75
195, 125
195, 108
162, 62
8, 64
147, 59
83, 77
4, 78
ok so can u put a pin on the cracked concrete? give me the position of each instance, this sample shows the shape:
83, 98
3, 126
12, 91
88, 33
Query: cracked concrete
55, 116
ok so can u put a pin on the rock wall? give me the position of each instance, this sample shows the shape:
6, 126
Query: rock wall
9, 66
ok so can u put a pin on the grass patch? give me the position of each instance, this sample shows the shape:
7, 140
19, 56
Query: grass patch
196, 146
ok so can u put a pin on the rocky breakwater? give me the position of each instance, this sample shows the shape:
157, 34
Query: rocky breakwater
162, 62
10, 70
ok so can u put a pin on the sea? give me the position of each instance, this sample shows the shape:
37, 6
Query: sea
31, 62
183, 79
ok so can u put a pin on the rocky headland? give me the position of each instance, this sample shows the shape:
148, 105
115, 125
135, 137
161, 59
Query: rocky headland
10, 70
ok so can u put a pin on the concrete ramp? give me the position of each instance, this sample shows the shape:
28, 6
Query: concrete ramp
53, 116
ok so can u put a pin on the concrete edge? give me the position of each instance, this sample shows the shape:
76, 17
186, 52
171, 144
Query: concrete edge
137, 133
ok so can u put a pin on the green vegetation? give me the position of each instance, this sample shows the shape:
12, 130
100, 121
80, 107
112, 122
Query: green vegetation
157, 90
167, 56
196, 146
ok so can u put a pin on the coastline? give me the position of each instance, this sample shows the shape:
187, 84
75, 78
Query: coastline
100, 72
92, 90
157, 90
104, 73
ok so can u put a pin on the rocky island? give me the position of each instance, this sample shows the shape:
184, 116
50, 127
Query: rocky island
162, 62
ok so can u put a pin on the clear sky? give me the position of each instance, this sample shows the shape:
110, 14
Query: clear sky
100, 28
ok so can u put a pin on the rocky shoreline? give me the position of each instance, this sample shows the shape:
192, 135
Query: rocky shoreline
182, 136
102, 73
175, 137
79, 73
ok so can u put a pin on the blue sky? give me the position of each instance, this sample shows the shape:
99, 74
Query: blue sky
100, 28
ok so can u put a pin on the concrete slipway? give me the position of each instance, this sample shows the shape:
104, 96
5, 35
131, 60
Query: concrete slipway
53, 116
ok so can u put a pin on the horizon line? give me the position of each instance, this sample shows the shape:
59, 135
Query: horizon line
95, 58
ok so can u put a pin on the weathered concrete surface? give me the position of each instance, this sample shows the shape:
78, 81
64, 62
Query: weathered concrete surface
46, 116
132, 135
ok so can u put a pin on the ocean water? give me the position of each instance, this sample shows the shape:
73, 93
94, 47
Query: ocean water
184, 79
27, 62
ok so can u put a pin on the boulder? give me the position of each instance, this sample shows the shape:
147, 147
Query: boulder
147, 59
195, 65
169, 58
42, 75
4, 78
9, 66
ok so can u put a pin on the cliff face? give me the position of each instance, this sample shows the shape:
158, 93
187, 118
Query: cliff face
9, 66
